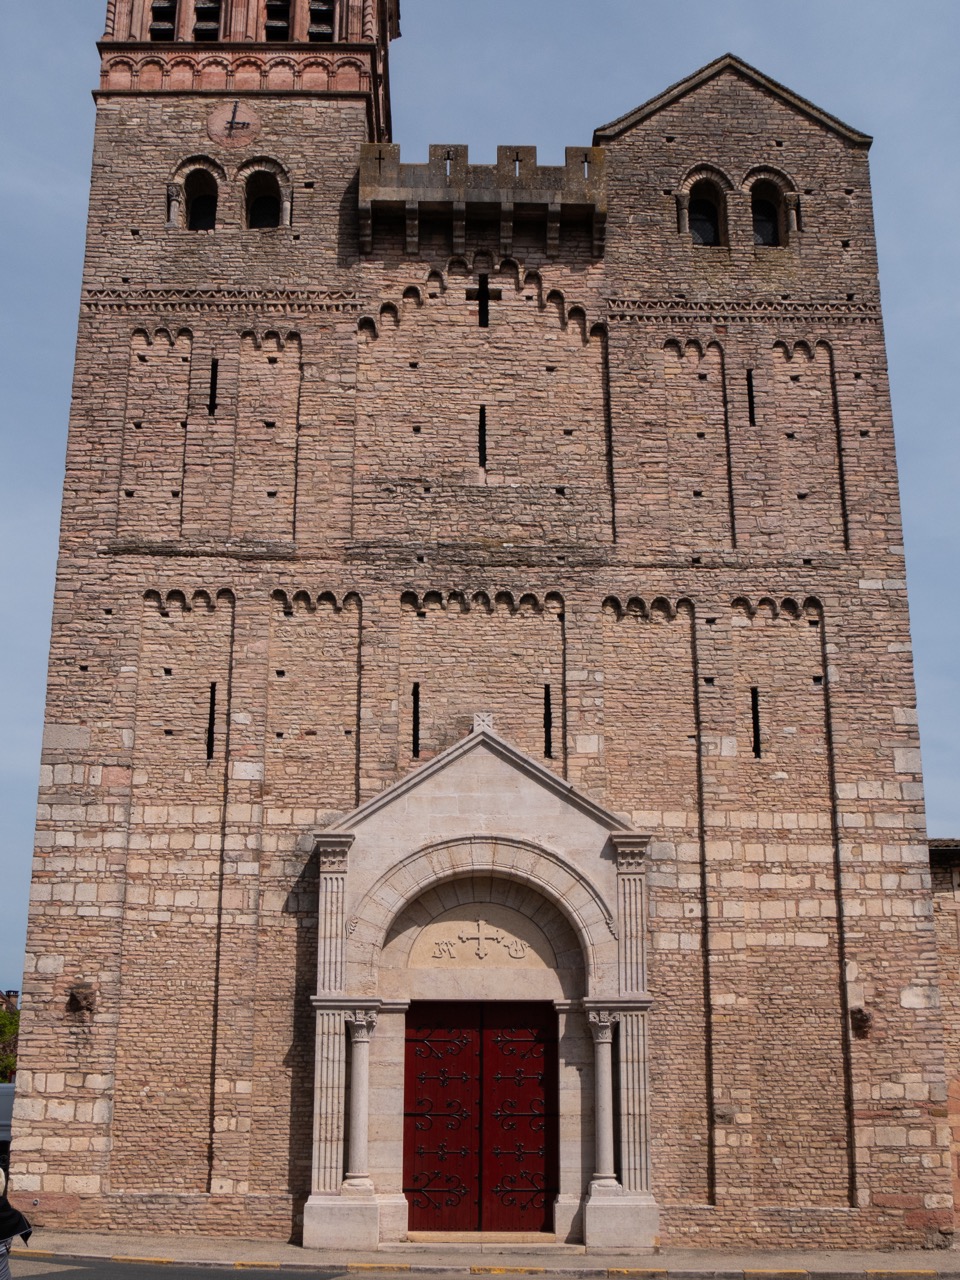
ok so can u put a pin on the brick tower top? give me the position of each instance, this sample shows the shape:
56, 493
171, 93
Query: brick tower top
323, 47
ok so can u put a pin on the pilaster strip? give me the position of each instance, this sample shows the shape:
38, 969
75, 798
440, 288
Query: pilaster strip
331, 850
631, 848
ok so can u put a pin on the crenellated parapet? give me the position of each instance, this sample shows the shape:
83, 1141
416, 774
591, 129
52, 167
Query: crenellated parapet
515, 188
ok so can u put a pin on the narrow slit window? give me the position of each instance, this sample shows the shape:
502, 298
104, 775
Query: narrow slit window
482, 438
321, 29
214, 379
751, 399
547, 722
206, 22
483, 300
755, 718
212, 721
416, 721
278, 20
163, 20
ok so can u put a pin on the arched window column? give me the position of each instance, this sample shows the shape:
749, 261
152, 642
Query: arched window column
683, 213
792, 201
175, 203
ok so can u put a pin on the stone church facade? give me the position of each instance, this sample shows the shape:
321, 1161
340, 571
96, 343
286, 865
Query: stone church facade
481, 788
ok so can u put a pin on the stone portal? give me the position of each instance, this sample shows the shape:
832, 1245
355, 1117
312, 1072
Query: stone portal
481, 1119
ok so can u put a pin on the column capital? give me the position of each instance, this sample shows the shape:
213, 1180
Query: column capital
361, 1024
602, 1022
331, 848
631, 848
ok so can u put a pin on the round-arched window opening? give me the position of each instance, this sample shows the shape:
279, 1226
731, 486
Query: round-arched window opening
264, 201
200, 192
705, 222
766, 202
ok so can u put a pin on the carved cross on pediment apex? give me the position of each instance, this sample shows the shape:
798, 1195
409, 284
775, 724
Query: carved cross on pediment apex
331, 848
632, 848
483, 720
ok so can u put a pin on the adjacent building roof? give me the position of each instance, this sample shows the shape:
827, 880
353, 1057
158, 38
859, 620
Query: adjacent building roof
729, 62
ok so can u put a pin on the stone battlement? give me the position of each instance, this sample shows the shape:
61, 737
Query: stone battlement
516, 186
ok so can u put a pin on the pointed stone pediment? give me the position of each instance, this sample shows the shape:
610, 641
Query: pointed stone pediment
485, 785
729, 64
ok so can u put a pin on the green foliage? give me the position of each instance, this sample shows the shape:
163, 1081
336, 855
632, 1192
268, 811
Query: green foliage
9, 1027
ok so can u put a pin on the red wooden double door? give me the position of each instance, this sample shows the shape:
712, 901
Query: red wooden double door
480, 1133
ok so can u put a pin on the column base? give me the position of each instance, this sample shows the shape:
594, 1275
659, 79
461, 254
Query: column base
615, 1219
348, 1221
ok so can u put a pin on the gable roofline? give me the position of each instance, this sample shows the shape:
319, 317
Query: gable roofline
729, 62
565, 791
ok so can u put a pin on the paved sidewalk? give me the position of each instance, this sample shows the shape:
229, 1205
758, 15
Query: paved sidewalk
572, 1262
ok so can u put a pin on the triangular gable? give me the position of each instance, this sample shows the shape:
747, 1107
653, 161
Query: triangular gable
485, 740
729, 62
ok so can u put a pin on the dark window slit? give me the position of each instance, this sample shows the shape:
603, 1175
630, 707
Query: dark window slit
212, 720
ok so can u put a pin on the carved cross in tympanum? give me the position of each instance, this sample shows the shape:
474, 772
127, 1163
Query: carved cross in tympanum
485, 933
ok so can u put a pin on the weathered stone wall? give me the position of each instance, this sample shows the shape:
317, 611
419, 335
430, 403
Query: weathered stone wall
689, 493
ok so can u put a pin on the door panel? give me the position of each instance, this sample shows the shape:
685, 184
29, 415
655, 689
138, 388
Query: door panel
441, 1126
520, 1122
481, 1119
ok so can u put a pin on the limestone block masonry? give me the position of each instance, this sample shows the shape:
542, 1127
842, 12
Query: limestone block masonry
478, 584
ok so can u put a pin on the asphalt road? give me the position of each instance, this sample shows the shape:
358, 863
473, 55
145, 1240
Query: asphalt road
41, 1268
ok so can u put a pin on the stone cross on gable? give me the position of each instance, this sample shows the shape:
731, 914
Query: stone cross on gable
483, 720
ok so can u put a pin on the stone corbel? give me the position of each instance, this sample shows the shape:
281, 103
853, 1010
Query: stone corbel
553, 230
366, 227
599, 231
506, 228
459, 228
413, 228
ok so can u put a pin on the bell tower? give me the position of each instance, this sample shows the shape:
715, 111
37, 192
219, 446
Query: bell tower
323, 47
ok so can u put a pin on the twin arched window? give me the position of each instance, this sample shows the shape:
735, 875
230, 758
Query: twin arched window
194, 201
703, 214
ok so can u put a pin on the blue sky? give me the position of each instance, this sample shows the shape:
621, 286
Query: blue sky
484, 72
